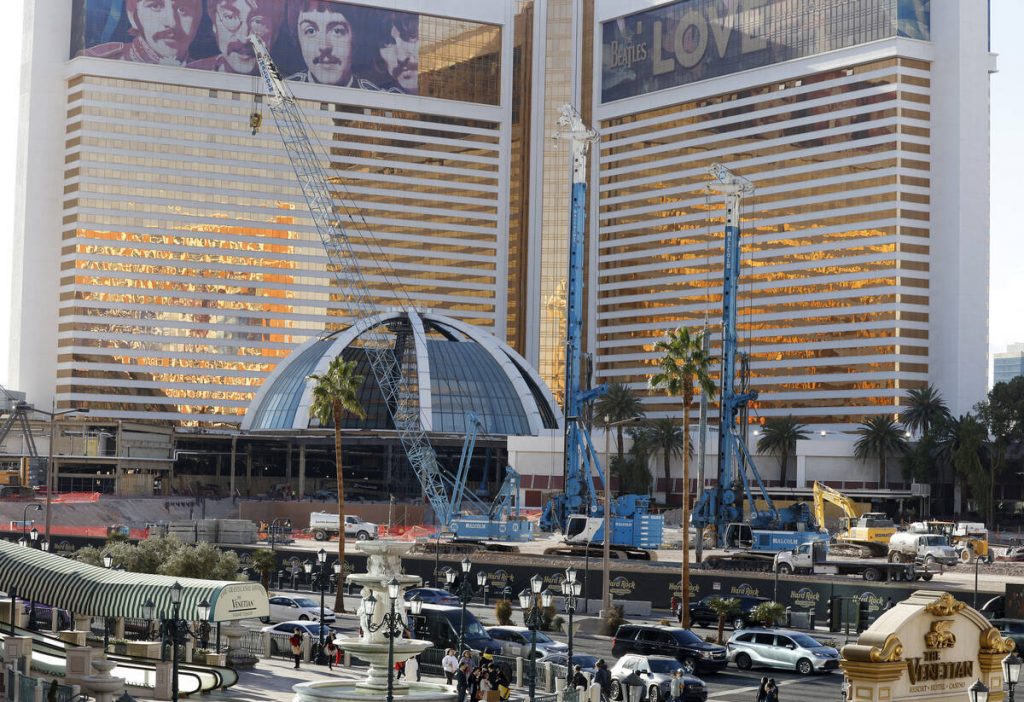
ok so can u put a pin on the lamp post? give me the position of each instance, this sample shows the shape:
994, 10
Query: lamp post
24, 521
108, 562
977, 561
179, 629
571, 589
392, 624
321, 559
1011, 672
533, 602
606, 591
337, 575
465, 593
54, 417
978, 692
481, 581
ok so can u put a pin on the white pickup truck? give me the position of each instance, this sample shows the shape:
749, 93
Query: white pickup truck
324, 525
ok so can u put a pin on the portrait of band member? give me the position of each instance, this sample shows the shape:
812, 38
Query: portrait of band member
325, 32
161, 30
396, 47
232, 22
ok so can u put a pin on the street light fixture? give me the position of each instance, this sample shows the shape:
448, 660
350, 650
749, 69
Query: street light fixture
24, 520
337, 575
571, 589
179, 629
54, 416
978, 692
606, 591
108, 561
1011, 672
481, 581
533, 603
392, 624
464, 592
321, 559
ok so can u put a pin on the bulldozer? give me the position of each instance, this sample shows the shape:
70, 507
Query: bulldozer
862, 535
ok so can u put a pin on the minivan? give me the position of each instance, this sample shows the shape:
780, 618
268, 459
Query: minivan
440, 624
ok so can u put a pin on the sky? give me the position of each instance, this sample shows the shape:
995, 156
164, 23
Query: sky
1006, 284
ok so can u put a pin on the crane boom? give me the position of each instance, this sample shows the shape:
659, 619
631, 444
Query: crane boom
400, 394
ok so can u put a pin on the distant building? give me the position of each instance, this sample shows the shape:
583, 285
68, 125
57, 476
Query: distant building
1007, 366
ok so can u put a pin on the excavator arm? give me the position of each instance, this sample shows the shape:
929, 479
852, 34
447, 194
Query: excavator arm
823, 494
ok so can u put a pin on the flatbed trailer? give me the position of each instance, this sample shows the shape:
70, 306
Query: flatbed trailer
812, 559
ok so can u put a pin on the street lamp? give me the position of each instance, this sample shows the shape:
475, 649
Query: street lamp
392, 624
571, 588
978, 692
148, 612
606, 591
465, 593
481, 581
321, 559
179, 629
54, 416
1011, 672
337, 576
24, 520
108, 561
533, 602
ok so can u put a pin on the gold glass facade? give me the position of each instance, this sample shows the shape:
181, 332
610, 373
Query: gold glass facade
190, 265
834, 285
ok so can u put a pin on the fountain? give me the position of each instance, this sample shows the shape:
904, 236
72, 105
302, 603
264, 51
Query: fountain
383, 562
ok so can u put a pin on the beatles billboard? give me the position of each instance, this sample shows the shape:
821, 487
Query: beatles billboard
691, 40
313, 41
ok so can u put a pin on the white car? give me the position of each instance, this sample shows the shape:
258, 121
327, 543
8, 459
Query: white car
516, 641
284, 608
280, 633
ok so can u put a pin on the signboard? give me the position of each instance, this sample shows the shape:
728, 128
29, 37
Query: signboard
311, 41
929, 646
240, 600
692, 40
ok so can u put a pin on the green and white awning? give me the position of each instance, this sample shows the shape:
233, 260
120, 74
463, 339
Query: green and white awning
84, 589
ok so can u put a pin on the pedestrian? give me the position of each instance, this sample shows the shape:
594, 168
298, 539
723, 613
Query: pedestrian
761, 689
578, 678
677, 687
771, 691
331, 652
449, 664
603, 678
467, 658
462, 682
399, 670
295, 641
501, 682
473, 687
412, 669
338, 653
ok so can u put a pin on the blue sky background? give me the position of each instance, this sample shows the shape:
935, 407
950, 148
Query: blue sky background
1006, 305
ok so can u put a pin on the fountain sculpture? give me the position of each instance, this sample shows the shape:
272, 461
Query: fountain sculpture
383, 563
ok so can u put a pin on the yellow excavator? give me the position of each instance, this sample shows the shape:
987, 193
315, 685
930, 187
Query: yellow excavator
861, 535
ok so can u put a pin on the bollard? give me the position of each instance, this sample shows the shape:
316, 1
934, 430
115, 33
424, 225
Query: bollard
519, 671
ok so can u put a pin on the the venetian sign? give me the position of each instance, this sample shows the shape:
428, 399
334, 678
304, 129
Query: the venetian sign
929, 646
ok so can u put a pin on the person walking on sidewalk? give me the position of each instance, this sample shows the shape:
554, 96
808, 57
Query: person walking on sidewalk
295, 641
771, 691
331, 651
462, 682
677, 688
603, 679
449, 664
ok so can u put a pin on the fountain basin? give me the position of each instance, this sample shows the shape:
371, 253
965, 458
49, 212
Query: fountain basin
323, 690
377, 656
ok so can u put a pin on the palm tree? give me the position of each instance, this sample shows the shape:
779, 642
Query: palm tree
778, 438
684, 362
619, 403
925, 410
724, 608
879, 436
335, 393
666, 436
961, 444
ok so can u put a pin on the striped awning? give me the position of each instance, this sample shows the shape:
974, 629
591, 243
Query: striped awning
89, 590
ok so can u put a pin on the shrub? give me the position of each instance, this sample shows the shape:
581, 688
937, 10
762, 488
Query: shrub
611, 619
503, 612
768, 613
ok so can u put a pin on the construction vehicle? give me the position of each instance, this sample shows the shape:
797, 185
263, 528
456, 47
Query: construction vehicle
722, 507
812, 558
862, 535
444, 490
970, 539
922, 547
577, 511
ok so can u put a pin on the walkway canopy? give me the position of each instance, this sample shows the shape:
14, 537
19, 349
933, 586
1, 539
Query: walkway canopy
84, 589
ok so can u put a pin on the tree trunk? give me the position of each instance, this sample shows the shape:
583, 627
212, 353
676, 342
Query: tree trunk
339, 597
618, 442
667, 466
721, 628
685, 589
881, 471
783, 460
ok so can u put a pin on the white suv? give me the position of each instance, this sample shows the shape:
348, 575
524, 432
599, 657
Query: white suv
781, 648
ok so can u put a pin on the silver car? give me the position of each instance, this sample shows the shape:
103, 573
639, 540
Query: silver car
781, 648
655, 672
517, 641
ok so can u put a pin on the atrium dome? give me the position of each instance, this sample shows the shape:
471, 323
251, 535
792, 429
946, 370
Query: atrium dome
460, 369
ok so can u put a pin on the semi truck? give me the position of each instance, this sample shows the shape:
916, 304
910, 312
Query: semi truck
812, 558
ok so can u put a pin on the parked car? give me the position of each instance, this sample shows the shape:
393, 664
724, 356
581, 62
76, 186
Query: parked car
40, 616
286, 608
702, 613
656, 673
433, 595
280, 633
693, 653
586, 662
440, 624
781, 648
1011, 629
517, 641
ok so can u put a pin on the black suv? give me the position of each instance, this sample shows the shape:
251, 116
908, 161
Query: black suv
702, 613
693, 653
